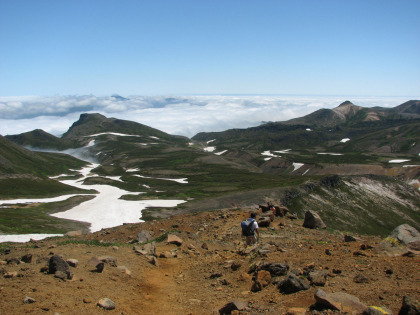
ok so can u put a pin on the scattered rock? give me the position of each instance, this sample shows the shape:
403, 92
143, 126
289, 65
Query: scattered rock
165, 254
292, 284
318, 277
148, 249
235, 265
415, 245
349, 238
296, 311
173, 239
360, 279
275, 269
109, 260
405, 234
205, 246
100, 267
72, 262
74, 233
57, 263
313, 220
124, 269
10, 274
13, 261
409, 307
339, 301
264, 221
262, 279
153, 260
28, 300
233, 306
27, 258
144, 236
106, 304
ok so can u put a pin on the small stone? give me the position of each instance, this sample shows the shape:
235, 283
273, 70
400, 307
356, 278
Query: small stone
72, 262
87, 300
360, 279
11, 274
205, 246
27, 258
106, 304
28, 300
100, 267
74, 233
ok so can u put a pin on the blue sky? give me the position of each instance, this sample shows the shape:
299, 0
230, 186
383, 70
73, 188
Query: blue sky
102, 47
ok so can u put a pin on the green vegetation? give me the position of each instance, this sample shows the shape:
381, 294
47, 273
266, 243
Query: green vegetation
24, 187
34, 218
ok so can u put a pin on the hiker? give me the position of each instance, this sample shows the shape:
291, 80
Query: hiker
250, 230
272, 209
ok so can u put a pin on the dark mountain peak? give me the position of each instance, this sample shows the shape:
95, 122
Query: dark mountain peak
37, 138
119, 97
90, 117
346, 103
410, 107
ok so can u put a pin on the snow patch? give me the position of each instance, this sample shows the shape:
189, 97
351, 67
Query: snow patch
297, 166
221, 152
329, 153
345, 140
209, 149
23, 238
398, 161
112, 133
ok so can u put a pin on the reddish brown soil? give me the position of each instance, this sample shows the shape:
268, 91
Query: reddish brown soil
183, 285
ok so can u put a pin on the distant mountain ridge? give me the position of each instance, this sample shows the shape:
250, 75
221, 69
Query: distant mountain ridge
377, 129
348, 113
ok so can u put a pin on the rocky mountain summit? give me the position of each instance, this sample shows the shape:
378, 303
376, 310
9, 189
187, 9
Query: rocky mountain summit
198, 263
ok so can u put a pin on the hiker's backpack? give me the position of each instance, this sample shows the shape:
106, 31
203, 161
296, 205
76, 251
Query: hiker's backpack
248, 227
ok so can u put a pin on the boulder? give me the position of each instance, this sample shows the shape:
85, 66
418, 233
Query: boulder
415, 245
28, 300
318, 277
359, 278
339, 301
27, 258
275, 269
72, 262
262, 279
112, 261
57, 263
292, 284
106, 304
173, 239
233, 306
148, 249
313, 220
74, 233
264, 222
349, 238
405, 234
143, 236
409, 307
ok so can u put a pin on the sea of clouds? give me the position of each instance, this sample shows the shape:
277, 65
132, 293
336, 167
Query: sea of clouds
177, 115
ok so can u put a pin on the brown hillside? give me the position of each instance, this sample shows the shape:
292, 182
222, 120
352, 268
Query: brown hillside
211, 268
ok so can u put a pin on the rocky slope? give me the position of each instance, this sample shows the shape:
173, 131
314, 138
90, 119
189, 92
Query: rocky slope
197, 263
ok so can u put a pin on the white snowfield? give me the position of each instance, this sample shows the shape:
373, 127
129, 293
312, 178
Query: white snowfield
104, 211
398, 161
345, 140
23, 238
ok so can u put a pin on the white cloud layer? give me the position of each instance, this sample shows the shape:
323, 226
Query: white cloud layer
176, 115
